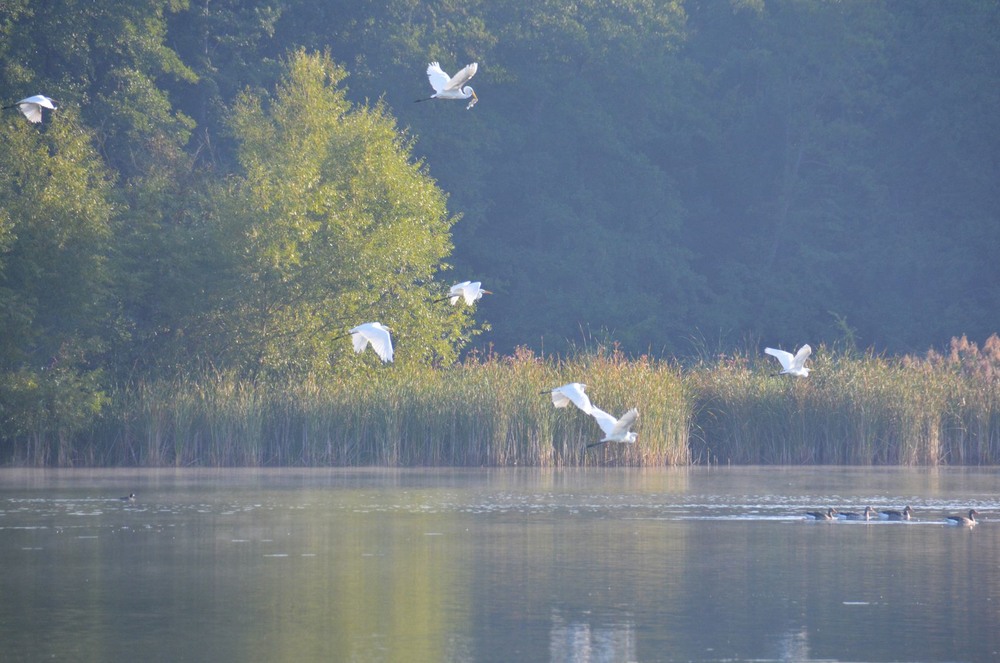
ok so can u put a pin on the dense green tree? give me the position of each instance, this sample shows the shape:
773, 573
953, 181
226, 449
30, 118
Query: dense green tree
166, 262
330, 223
108, 63
110, 59
55, 224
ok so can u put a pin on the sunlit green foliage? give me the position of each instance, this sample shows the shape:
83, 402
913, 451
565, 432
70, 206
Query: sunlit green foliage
330, 224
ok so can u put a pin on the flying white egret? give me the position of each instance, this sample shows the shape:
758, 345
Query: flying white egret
377, 335
571, 393
615, 430
452, 87
31, 107
470, 291
792, 364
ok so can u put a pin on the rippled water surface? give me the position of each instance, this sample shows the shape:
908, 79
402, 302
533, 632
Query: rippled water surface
496, 565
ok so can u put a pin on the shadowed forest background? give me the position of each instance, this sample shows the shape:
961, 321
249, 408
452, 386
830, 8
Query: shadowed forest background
227, 186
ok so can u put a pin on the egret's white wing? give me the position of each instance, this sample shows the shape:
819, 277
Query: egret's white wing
604, 420
31, 107
39, 99
375, 334
458, 290
381, 341
462, 77
572, 393
785, 358
622, 425
438, 78
31, 111
801, 356
358, 340
472, 292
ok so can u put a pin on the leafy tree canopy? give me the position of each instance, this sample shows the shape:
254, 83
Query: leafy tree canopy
330, 224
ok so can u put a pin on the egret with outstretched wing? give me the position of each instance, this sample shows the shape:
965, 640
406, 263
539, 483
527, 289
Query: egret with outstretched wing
452, 87
571, 393
470, 291
792, 364
615, 430
31, 107
376, 335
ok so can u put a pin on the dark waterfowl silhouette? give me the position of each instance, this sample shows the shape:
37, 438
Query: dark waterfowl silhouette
890, 514
850, 515
967, 521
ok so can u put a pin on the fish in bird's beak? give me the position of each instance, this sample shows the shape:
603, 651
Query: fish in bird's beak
473, 101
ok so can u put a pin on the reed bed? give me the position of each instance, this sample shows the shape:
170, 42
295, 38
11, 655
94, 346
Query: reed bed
853, 410
483, 412
858, 409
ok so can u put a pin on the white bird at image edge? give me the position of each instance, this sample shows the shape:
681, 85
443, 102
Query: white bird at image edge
615, 430
452, 87
572, 393
792, 364
31, 107
377, 335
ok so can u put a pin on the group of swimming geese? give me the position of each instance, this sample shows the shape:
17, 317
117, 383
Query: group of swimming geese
830, 514
871, 514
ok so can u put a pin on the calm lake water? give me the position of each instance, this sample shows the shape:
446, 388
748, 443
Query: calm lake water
496, 565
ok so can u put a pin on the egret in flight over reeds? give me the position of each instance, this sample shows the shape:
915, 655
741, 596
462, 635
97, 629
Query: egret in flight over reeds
376, 335
452, 87
470, 291
31, 107
615, 430
571, 393
792, 364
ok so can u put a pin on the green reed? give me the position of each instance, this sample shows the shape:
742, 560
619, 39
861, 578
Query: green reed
495, 411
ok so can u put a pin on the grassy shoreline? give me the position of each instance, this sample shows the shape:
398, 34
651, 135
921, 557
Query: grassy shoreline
856, 409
